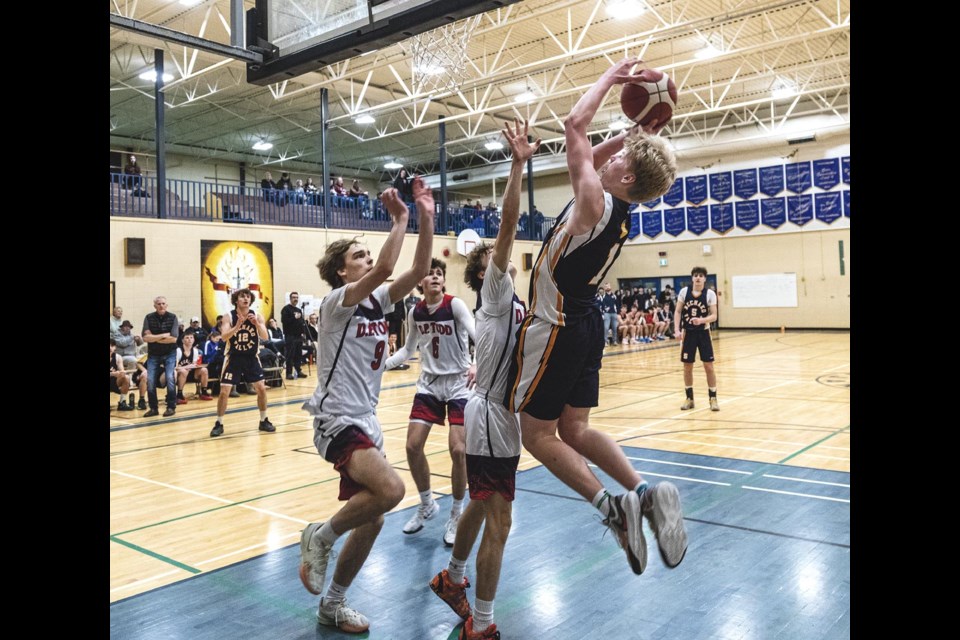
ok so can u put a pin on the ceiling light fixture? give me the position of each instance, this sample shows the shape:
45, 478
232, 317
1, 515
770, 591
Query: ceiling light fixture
261, 145
783, 89
493, 146
393, 164
430, 69
707, 52
619, 125
526, 96
623, 9
152, 76
365, 119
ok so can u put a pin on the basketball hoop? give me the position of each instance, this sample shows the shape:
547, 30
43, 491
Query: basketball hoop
440, 61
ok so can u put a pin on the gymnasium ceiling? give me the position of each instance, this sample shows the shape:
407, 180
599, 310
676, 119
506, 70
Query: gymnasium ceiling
554, 48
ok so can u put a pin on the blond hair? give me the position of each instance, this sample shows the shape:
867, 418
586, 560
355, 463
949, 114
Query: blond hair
653, 164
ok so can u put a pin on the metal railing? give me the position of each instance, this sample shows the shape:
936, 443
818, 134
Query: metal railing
136, 196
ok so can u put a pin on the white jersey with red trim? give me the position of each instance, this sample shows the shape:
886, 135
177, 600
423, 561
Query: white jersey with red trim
352, 354
441, 332
498, 319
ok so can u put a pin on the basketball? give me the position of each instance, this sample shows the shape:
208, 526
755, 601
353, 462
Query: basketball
652, 96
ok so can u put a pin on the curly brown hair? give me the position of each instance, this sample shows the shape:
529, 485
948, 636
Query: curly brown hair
333, 260
653, 163
471, 274
236, 295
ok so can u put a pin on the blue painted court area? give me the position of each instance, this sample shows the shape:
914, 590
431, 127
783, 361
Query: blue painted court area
769, 557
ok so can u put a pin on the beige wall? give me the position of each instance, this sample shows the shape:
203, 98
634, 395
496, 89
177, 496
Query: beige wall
823, 295
172, 264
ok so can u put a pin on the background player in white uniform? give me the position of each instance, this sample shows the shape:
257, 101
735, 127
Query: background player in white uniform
352, 358
493, 432
555, 377
696, 309
440, 326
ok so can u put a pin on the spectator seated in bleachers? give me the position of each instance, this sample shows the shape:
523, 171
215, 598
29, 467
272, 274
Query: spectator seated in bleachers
269, 187
190, 368
127, 344
276, 342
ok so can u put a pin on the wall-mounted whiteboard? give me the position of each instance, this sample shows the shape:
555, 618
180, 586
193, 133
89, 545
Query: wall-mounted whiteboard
767, 290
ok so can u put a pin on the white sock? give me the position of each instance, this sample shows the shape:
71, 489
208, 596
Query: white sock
457, 507
335, 593
326, 533
456, 569
641, 488
220, 418
426, 497
603, 501
482, 614
263, 416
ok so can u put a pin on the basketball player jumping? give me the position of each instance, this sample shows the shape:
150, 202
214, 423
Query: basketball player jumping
555, 370
493, 433
352, 355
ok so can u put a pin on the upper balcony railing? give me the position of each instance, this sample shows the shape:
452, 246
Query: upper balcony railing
136, 196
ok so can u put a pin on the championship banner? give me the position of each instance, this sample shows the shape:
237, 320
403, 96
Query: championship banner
674, 195
696, 189
652, 204
846, 203
698, 219
226, 266
721, 217
674, 221
748, 214
745, 183
634, 225
799, 177
799, 209
826, 173
827, 206
845, 169
773, 212
652, 223
721, 185
771, 180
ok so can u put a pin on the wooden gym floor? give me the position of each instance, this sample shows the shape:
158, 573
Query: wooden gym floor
204, 531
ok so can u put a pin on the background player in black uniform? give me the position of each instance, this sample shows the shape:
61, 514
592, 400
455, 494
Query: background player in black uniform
242, 330
697, 308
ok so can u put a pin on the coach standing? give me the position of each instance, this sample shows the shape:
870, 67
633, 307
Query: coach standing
291, 317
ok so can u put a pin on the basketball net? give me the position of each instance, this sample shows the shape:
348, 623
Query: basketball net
440, 61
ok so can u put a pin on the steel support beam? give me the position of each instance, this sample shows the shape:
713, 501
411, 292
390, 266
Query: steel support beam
169, 35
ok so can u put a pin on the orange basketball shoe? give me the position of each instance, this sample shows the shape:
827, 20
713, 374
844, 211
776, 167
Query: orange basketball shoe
453, 594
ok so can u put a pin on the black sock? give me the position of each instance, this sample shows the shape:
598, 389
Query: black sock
689, 391
712, 394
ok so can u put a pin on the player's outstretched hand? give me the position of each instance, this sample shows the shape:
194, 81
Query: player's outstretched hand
422, 194
619, 73
519, 147
394, 203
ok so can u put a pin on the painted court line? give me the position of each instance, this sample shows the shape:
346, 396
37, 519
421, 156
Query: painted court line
832, 484
210, 497
664, 475
141, 581
794, 493
693, 466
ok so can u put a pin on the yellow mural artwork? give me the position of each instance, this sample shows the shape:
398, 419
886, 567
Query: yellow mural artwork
226, 266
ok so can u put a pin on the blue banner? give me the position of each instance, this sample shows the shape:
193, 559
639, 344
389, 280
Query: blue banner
652, 204
799, 209
698, 219
826, 173
721, 185
652, 223
827, 206
845, 168
674, 222
674, 194
745, 183
773, 212
721, 217
771, 180
634, 225
748, 214
696, 189
846, 203
799, 177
